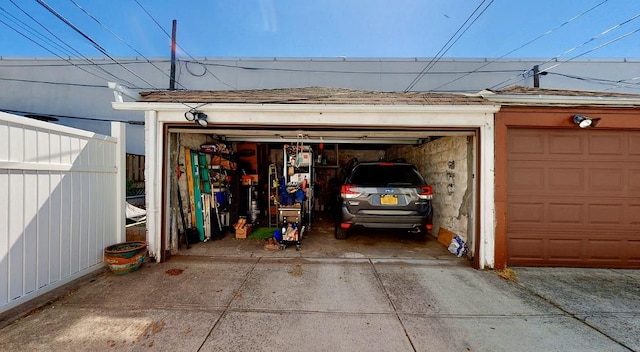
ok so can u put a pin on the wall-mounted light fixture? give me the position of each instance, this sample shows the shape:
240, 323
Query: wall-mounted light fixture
198, 117
584, 121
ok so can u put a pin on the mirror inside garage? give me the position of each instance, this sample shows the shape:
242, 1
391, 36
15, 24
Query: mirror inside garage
250, 189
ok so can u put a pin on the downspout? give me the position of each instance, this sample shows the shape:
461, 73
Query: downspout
152, 185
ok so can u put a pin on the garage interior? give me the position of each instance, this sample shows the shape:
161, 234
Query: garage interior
248, 164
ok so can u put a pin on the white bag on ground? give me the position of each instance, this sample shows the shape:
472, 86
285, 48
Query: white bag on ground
458, 247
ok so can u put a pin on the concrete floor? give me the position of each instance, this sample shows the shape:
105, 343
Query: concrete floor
376, 291
319, 242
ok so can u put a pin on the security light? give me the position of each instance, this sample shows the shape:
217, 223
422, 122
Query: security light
584, 121
198, 117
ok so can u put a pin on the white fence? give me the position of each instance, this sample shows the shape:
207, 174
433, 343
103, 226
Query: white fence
61, 203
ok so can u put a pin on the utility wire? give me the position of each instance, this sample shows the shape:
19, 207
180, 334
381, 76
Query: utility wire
525, 44
54, 83
120, 39
446, 46
93, 42
102, 50
47, 49
586, 52
66, 44
580, 45
181, 48
25, 113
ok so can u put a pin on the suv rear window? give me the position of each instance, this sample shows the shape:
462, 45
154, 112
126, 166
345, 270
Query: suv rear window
385, 175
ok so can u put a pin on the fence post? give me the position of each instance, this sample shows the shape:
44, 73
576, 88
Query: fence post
118, 130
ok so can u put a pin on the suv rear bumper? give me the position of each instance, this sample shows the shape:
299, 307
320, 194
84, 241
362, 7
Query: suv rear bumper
385, 222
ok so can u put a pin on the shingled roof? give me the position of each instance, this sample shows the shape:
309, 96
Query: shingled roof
310, 95
521, 90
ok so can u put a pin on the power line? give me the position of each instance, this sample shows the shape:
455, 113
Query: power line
93, 42
120, 39
63, 42
47, 49
104, 51
54, 83
525, 44
181, 48
580, 45
36, 114
446, 46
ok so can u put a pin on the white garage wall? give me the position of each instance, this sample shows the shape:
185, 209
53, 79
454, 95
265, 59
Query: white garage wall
59, 204
433, 159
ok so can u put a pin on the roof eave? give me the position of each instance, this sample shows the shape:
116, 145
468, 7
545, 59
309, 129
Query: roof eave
561, 100
157, 106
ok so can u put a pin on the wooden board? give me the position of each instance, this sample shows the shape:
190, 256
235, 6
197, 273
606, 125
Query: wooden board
188, 168
445, 236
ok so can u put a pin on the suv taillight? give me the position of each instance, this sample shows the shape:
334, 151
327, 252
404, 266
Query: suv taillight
349, 191
426, 192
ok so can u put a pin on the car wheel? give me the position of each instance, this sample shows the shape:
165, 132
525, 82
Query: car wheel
340, 233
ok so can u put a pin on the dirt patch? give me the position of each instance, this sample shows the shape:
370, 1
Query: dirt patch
297, 271
508, 274
174, 272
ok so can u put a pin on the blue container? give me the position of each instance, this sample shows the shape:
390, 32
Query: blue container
221, 196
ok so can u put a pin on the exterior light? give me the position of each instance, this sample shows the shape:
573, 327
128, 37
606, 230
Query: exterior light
199, 118
584, 121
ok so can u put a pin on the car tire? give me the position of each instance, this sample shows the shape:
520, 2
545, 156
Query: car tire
340, 233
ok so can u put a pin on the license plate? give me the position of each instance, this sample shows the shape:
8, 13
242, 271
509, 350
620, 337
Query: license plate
389, 199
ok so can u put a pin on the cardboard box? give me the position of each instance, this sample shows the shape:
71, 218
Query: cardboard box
243, 232
445, 236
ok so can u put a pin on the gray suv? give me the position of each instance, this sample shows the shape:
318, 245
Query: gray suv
384, 195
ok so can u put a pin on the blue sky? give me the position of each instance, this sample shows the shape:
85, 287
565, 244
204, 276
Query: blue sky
326, 28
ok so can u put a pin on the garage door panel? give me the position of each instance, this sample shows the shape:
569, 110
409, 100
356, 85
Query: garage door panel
527, 143
526, 249
527, 213
611, 179
607, 144
634, 182
604, 249
564, 249
573, 198
634, 214
561, 178
634, 145
634, 250
556, 249
606, 214
561, 143
566, 213
526, 178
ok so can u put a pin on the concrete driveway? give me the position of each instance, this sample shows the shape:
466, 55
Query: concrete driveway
351, 299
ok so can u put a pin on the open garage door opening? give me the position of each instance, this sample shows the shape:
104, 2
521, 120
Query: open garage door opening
235, 185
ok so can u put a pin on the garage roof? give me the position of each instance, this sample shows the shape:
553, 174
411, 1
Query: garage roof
521, 90
311, 95
525, 96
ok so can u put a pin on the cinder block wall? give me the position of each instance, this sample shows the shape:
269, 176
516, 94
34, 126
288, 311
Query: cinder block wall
444, 162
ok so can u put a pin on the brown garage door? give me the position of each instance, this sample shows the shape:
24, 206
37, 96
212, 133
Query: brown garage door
573, 198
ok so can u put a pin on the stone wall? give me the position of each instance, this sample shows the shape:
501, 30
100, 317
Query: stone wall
445, 164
